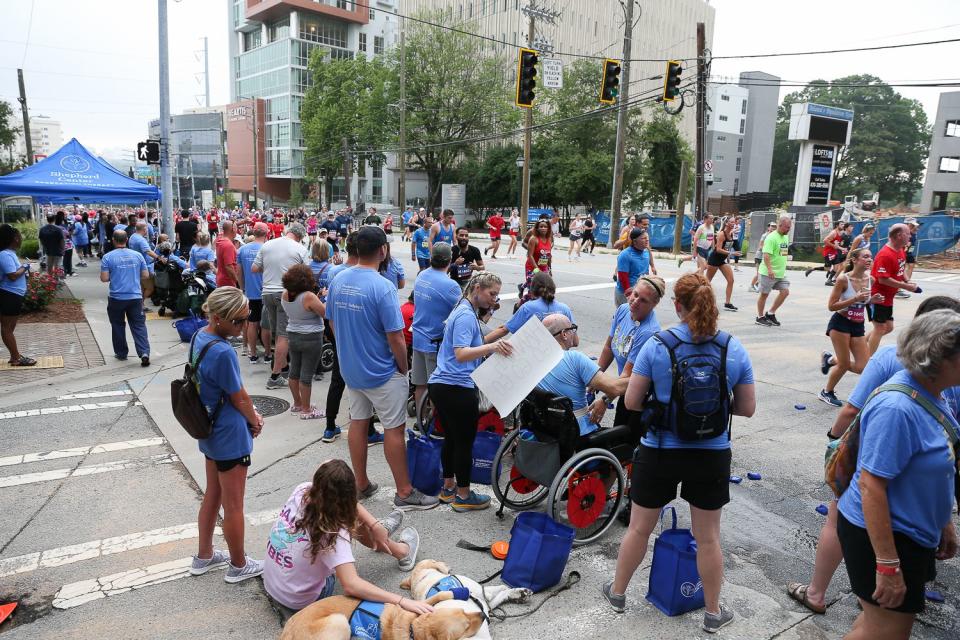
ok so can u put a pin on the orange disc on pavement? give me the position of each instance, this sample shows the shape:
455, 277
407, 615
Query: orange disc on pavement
6, 610
499, 549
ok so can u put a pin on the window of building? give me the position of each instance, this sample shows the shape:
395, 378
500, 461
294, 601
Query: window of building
718, 180
342, 4
362, 42
721, 138
377, 169
736, 186
483, 7
722, 118
279, 30
373, 15
725, 98
718, 158
743, 125
743, 107
377, 191
953, 129
738, 164
323, 30
377, 45
949, 164
460, 12
251, 40
740, 145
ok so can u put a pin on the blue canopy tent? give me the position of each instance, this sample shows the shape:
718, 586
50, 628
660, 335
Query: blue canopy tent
73, 175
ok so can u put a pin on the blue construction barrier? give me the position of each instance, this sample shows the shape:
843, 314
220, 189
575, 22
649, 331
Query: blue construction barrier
661, 230
938, 232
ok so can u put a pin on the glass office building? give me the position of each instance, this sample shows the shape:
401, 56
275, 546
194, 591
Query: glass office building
197, 159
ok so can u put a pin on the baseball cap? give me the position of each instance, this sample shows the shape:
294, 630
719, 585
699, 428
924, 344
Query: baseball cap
637, 232
442, 250
771, 224
912, 221
374, 235
329, 214
868, 226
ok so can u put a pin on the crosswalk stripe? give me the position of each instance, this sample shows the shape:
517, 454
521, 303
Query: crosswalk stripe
70, 408
74, 452
70, 472
942, 278
78, 593
96, 394
118, 544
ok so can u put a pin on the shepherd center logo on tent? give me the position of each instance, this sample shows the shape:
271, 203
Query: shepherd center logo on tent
74, 164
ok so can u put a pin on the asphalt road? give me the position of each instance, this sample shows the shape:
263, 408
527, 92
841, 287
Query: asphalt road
104, 531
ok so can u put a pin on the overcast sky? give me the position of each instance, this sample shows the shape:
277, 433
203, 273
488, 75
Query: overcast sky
92, 64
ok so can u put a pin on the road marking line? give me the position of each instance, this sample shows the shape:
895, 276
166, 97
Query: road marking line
70, 408
78, 593
579, 287
96, 394
60, 474
943, 278
74, 452
118, 544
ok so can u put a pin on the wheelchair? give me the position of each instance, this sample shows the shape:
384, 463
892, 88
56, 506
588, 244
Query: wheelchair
584, 479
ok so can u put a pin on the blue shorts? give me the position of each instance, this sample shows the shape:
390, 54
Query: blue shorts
424, 263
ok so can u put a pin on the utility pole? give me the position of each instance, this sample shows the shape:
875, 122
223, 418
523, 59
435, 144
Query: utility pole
346, 170
701, 199
216, 190
166, 183
681, 205
620, 154
256, 153
26, 117
206, 72
402, 187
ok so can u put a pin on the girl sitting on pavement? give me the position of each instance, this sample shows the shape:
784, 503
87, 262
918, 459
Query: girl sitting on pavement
309, 548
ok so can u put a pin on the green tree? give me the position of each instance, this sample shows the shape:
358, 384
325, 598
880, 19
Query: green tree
455, 91
347, 100
296, 193
888, 146
8, 135
663, 151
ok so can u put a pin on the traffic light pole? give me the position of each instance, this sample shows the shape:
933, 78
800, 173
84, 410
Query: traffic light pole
527, 135
620, 153
699, 206
166, 184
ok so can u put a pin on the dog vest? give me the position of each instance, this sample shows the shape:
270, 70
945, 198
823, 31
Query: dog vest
365, 620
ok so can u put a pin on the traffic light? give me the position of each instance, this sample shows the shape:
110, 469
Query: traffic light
149, 151
671, 81
526, 78
610, 87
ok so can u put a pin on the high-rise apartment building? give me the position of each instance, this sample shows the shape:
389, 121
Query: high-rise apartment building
941, 187
270, 45
46, 136
664, 29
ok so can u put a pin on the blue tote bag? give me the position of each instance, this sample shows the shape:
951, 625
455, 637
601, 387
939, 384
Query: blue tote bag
188, 326
484, 451
675, 586
539, 549
423, 462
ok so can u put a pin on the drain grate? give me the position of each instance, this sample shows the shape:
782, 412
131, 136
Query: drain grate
269, 406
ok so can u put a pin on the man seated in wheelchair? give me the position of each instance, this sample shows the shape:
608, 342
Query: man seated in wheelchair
577, 374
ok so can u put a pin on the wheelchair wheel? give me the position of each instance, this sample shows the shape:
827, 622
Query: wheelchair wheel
424, 416
510, 487
587, 492
327, 354
412, 407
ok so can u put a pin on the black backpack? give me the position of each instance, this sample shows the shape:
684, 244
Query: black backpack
185, 397
699, 406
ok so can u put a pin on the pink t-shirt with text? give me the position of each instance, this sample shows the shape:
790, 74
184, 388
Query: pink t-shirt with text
291, 577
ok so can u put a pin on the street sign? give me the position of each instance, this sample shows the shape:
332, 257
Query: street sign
708, 165
552, 73
708, 177
149, 151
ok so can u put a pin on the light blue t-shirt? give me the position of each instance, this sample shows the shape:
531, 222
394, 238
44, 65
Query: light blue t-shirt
634, 263
336, 270
405, 216
536, 307
445, 234
80, 236
219, 376
570, 379
140, 244
321, 272
881, 367
421, 240
627, 336
462, 330
252, 282
177, 260
198, 253
124, 266
902, 443
653, 362
10, 263
364, 308
434, 297
394, 272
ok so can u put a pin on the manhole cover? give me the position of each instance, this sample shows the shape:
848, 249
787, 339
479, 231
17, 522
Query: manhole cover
269, 406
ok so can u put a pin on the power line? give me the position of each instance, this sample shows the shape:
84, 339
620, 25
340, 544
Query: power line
851, 50
841, 85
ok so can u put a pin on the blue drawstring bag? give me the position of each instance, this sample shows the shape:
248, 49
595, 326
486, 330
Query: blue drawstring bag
485, 448
188, 326
675, 586
539, 549
423, 462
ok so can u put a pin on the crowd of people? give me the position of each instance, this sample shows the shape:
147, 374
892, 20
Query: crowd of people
286, 285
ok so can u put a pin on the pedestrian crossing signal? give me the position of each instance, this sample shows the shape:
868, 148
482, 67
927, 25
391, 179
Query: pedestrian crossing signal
671, 80
610, 85
526, 78
149, 151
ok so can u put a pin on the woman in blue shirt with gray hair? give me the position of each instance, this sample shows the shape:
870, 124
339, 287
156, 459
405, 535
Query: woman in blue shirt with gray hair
894, 518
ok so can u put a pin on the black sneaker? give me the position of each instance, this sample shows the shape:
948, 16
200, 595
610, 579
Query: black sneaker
729, 307
145, 361
772, 319
825, 362
830, 397
806, 274
763, 321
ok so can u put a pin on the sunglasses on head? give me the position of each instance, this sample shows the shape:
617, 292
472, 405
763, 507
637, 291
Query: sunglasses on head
572, 328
